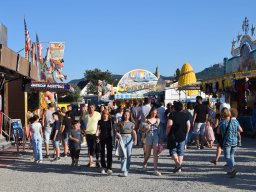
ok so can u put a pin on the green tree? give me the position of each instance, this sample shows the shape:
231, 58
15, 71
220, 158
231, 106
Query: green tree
93, 76
71, 97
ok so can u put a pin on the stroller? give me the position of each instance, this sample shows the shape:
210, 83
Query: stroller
17, 132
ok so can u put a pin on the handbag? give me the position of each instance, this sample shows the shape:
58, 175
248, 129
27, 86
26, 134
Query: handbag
223, 137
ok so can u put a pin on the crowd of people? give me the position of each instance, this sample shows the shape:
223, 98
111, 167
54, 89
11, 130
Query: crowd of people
151, 126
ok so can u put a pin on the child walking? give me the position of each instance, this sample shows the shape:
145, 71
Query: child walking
75, 138
55, 135
234, 114
37, 135
209, 134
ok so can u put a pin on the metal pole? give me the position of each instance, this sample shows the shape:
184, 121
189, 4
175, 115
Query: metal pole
10, 126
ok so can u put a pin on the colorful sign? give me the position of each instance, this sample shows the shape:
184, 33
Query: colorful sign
137, 82
57, 50
128, 96
65, 87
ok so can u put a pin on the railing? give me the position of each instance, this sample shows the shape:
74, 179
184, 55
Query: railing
6, 126
9, 132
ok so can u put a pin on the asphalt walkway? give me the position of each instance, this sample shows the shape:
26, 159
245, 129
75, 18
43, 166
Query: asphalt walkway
19, 173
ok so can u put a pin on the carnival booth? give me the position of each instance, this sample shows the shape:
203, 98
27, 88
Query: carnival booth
137, 84
47, 93
238, 82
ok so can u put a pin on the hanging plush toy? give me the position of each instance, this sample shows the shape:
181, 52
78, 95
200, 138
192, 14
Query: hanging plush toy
247, 86
49, 97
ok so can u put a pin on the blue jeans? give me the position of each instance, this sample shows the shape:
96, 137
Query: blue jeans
125, 163
37, 148
163, 132
229, 154
178, 148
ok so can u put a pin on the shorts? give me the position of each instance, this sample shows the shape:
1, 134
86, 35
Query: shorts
178, 148
47, 134
152, 138
64, 137
199, 128
55, 144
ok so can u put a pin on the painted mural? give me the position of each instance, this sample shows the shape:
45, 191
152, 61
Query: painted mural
138, 82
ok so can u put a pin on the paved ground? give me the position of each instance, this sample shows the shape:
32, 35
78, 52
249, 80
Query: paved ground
197, 174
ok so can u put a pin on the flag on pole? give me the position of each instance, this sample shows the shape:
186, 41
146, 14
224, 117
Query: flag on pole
39, 49
27, 40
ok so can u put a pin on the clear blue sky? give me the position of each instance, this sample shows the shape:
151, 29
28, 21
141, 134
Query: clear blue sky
121, 35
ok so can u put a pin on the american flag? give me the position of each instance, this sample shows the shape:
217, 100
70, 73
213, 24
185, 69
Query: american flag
27, 38
39, 49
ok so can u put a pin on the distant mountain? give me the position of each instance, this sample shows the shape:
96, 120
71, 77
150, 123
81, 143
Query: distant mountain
75, 81
209, 72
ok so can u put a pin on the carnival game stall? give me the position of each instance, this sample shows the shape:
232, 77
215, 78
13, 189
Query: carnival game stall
48, 93
238, 82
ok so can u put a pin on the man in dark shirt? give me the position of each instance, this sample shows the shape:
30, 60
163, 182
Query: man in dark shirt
55, 135
199, 119
178, 126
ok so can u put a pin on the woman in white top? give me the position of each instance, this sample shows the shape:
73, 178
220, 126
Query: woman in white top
37, 134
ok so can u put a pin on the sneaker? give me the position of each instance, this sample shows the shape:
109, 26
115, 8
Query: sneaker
73, 163
103, 171
198, 147
109, 172
213, 162
39, 161
202, 147
47, 156
144, 168
232, 174
157, 173
176, 169
36, 161
125, 174
56, 159
239, 144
